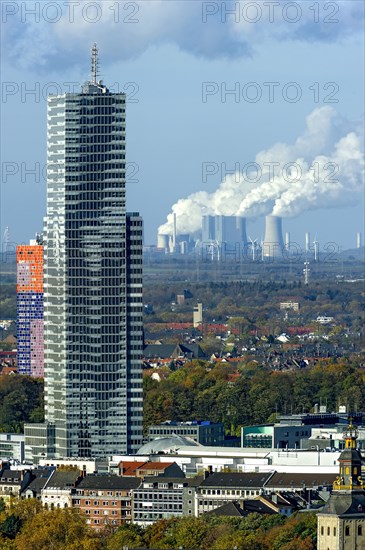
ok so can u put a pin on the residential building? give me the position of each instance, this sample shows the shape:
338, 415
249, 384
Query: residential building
284, 504
223, 487
151, 352
38, 481
299, 481
60, 486
162, 498
13, 482
129, 467
204, 432
30, 309
160, 469
92, 279
106, 499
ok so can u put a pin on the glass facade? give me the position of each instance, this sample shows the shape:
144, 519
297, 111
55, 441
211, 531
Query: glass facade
92, 280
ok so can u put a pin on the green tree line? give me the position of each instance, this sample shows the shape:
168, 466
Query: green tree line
21, 400
202, 392
26, 525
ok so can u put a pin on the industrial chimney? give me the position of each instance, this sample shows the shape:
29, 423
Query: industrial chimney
273, 244
307, 242
174, 233
358, 240
287, 240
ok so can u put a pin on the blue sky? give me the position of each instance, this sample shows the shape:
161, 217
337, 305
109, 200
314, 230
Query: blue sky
165, 53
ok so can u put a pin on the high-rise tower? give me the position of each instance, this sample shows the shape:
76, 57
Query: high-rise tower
29, 288
92, 279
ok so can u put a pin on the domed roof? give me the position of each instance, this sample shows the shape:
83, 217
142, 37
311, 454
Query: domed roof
350, 454
345, 503
166, 445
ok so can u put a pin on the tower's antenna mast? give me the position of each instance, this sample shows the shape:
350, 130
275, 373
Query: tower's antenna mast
94, 63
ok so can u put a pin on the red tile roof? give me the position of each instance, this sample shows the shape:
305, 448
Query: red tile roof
155, 466
128, 468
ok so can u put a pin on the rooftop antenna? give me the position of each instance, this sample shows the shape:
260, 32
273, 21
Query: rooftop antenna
306, 271
94, 64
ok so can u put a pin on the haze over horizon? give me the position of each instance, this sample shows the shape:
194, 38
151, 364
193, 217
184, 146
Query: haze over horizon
204, 88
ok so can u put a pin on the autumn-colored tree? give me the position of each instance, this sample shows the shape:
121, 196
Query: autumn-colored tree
128, 535
60, 529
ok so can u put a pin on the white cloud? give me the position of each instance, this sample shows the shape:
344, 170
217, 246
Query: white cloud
126, 28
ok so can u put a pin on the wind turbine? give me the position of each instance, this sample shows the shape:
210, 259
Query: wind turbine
253, 248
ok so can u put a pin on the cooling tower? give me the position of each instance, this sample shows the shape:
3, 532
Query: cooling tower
273, 244
162, 241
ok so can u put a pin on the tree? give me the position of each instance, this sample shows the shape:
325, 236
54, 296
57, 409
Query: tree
10, 527
60, 529
129, 535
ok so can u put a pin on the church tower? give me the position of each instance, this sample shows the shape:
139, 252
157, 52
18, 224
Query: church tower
341, 522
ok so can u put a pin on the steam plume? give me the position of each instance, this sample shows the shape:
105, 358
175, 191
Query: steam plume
326, 170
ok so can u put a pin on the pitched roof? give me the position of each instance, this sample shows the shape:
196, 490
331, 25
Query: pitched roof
94, 481
62, 479
195, 481
158, 350
317, 479
159, 479
11, 476
191, 351
155, 465
172, 351
128, 468
253, 505
37, 484
233, 479
230, 509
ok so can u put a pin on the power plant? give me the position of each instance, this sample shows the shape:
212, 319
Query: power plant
221, 235
224, 229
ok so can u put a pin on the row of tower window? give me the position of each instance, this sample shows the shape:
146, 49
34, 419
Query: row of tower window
347, 531
94, 148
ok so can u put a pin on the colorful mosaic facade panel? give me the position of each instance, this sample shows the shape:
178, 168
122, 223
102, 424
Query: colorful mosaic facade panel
30, 309
29, 268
